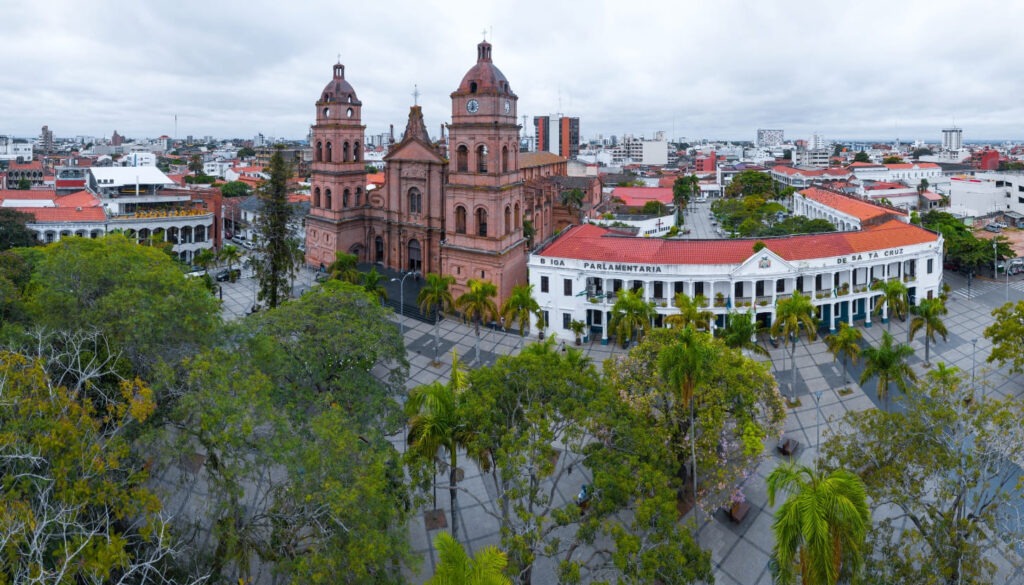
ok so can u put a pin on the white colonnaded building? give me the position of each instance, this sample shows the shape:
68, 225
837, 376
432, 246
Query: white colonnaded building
577, 277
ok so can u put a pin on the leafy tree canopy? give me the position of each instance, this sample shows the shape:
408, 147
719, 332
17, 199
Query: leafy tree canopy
13, 230
751, 183
235, 189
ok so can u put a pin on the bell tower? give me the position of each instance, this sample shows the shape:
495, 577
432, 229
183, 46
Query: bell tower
338, 177
484, 192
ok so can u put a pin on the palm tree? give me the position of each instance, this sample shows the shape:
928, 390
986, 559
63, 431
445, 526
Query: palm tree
572, 199
436, 294
683, 365
630, 315
437, 421
691, 312
204, 258
894, 299
344, 268
821, 527
519, 306
888, 361
373, 283
844, 344
928, 315
230, 255
455, 567
739, 333
791, 316
477, 305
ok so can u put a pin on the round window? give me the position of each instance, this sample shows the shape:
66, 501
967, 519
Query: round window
350, 112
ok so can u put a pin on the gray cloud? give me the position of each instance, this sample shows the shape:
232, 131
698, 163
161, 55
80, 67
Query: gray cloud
699, 69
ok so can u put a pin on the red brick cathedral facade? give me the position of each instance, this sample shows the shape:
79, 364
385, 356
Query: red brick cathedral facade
457, 209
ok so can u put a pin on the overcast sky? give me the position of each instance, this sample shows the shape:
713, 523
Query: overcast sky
711, 69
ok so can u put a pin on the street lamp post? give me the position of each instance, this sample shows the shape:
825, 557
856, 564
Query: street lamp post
401, 299
974, 351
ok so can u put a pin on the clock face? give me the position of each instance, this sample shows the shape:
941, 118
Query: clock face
508, 106
472, 106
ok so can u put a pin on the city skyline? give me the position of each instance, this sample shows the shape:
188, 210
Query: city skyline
882, 71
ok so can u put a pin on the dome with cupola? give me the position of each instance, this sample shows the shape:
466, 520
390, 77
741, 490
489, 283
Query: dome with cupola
338, 90
484, 77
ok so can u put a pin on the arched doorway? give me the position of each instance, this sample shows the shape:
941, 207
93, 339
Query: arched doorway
378, 245
415, 256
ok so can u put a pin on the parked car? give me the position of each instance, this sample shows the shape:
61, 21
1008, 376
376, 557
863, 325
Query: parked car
226, 275
993, 228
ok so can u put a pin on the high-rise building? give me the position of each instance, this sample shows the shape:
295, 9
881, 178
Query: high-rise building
561, 137
46, 140
769, 138
952, 138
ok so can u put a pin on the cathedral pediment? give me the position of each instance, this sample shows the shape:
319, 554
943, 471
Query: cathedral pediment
413, 150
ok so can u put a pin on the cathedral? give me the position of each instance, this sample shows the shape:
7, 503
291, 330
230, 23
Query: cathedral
469, 206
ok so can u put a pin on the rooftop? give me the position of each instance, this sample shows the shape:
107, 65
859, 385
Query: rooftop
862, 210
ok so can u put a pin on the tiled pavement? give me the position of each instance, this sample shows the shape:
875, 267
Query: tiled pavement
740, 552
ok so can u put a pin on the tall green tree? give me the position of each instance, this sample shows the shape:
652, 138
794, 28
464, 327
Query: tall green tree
477, 306
205, 258
684, 189
344, 268
845, 345
230, 255
274, 263
894, 300
1007, 336
692, 311
631, 317
943, 477
740, 331
519, 307
793, 317
126, 291
928, 317
373, 283
572, 199
455, 567
537, 414
14, 232
888, 362
235, 189
683, 365
821, 528
750, 183
438, 421
195, 164
436, 295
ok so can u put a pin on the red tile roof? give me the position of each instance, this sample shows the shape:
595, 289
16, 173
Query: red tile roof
637, 196
58, 214
862, 210
598, 244
33, 194
79, 199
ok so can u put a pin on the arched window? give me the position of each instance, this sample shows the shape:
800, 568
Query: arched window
462, 159
379, 249
327, 199
504, 159
508, 220
517, 216
344, 198
481, 222
355, 153
330, 152
359, 196
316, 197
460, 220
415, 201
344, 153
481, 158
319, 151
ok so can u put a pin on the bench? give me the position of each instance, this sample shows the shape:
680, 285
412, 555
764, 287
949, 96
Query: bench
788, 446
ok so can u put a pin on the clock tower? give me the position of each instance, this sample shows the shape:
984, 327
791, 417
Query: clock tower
484, 191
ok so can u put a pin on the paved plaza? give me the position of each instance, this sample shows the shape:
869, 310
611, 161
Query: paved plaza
740, 552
